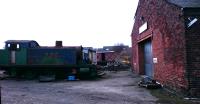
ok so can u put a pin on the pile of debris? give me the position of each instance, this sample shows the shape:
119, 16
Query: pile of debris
149, 83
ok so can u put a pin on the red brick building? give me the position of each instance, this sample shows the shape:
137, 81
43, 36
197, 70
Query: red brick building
112, 54
107, 56
166, 43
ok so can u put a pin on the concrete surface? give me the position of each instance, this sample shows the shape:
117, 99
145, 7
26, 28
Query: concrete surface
114, 88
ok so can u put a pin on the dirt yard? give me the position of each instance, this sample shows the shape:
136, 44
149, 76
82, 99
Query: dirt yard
114, 88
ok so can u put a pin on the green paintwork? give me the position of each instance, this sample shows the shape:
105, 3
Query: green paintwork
21, 57
50, 60
84, 70
4, 57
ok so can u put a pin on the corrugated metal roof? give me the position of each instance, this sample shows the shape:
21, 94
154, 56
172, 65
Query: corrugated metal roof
186, 3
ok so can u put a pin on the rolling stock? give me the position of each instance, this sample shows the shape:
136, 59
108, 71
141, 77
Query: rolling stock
27, 59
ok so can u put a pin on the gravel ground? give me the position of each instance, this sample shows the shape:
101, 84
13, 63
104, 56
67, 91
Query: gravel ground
114, 88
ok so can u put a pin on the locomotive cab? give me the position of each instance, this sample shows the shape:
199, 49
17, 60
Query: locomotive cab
17, 44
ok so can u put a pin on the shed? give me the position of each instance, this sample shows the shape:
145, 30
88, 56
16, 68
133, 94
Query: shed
166, 43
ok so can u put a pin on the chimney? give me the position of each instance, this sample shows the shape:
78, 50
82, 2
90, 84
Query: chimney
58, 43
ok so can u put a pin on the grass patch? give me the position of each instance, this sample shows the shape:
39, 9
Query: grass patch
165, 97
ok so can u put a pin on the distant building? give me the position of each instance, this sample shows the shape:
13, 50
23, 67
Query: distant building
110, 53
166, 43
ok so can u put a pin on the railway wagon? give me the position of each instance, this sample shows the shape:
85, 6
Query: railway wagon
27, 59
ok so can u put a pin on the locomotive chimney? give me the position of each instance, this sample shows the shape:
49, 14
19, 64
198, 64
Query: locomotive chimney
58, 43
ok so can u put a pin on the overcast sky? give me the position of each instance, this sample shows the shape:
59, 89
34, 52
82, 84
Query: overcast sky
95, 23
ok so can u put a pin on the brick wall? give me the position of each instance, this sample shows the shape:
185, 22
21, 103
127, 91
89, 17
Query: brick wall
109, 56
99, 57
166, 29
